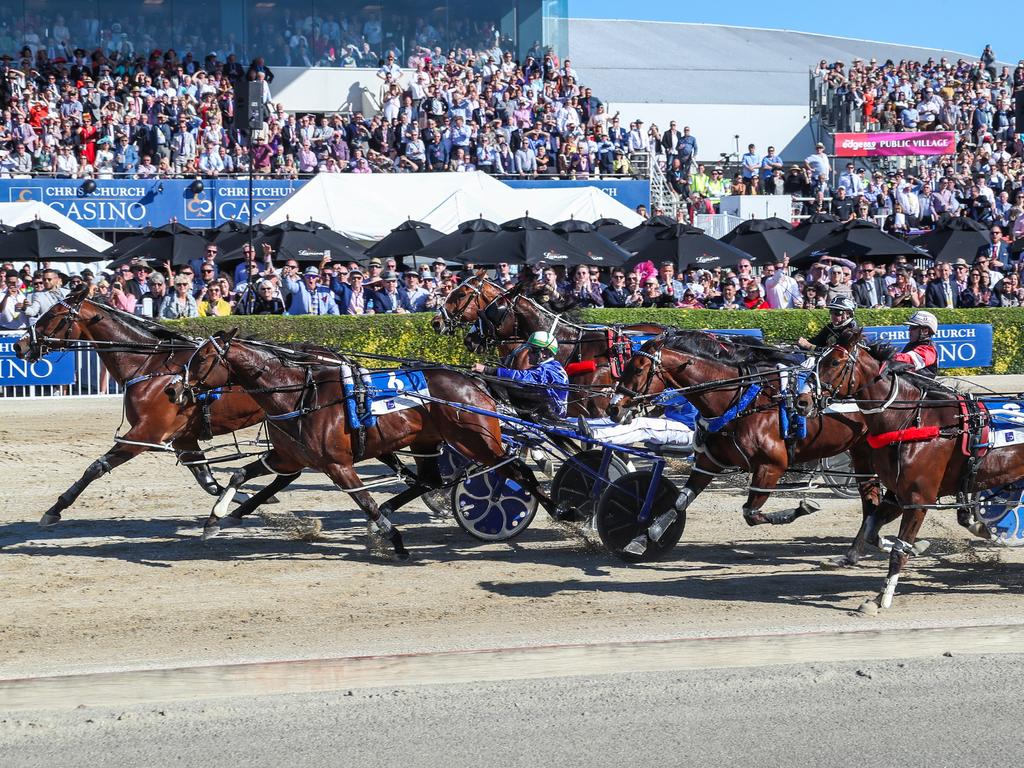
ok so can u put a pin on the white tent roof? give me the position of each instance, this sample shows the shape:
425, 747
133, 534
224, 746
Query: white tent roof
368, 206
13, 214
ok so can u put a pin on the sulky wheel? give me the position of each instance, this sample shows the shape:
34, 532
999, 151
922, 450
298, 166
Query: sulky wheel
450, 463
572, 489
620, 506
490, 507
839, 476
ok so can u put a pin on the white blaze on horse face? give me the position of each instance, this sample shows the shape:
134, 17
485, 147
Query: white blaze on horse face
616, 399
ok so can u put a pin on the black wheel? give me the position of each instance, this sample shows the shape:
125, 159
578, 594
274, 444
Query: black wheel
620, 506
572, 488
838, 474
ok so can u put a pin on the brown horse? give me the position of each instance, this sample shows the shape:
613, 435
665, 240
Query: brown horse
142, 356
506, 319
308, 426
921, 429
737, 388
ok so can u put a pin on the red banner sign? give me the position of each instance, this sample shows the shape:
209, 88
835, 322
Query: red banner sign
910, 143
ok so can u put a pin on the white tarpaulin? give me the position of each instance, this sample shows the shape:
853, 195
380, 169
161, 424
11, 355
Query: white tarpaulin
368, 206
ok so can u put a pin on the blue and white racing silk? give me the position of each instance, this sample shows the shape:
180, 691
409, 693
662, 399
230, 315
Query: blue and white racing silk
548, 378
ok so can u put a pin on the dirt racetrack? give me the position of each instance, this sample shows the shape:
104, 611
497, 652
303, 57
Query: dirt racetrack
126, 581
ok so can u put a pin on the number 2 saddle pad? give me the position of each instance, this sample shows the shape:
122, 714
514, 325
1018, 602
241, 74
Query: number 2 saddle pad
393, 391
1007, 418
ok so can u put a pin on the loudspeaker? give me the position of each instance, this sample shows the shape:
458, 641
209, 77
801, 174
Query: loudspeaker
1018, 112
254, 106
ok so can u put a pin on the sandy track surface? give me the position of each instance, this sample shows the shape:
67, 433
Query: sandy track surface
127, 582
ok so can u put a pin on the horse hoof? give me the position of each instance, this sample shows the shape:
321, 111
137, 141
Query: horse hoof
836, 562
869, 607
239, 498
272, 500
807, 507
921, 546
210, 530
980, 530
49, 520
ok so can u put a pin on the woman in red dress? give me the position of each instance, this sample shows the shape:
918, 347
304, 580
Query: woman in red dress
87, 138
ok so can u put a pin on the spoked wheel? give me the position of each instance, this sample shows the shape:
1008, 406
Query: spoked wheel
839, 475
450, 463
490, 507
572, 489
619, 508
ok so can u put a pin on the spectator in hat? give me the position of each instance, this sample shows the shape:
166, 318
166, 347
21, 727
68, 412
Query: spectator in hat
817, 165
266, 301
361, 298
309, 297
387, 299
414, 298
138, 285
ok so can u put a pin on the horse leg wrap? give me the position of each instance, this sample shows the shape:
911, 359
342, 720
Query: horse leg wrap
783, 517
383, 526
637, 546
661, 524
237, 478
97, 469
685, 498
885, 599
906, 548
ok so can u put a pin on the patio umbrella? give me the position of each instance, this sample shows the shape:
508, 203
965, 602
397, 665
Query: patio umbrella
305, 243
857, 241
469, 234
815, 227
610, 228
405, 239
684, 245
39, 240
172, 242
766, 240
602, 251
633, 240
955, 238
525, 241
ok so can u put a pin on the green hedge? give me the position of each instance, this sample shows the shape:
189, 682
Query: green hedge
411, 335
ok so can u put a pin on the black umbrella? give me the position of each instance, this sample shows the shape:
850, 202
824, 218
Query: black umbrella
602, 251
955, 238
684, 245
815, 227
766, 240
469, 235
405, 239
305, 243
172, 242
610, 228
39, 240
858, 241
525, 241
643, 234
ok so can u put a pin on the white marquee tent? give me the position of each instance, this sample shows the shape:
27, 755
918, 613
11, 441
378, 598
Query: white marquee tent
368, 206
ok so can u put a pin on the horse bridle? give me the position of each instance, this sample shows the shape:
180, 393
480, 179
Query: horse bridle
655, 370
826, 393
38, 344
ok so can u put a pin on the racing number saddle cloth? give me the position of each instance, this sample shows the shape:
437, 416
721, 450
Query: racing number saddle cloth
372, 394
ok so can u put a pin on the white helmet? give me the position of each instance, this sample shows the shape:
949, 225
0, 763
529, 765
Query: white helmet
924, 319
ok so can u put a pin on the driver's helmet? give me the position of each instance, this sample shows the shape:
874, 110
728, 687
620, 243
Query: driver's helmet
544, 342
843, 307
923, 319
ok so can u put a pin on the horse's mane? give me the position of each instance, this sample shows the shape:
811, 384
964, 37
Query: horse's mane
733, 350
152, 327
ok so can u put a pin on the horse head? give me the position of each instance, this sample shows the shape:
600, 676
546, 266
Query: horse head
643, 377
465, 302
840, 372
61, 323
208, 368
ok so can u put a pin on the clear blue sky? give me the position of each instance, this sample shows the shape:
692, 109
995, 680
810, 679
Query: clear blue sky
955, 26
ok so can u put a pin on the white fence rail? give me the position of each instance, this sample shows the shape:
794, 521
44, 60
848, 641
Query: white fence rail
90, 376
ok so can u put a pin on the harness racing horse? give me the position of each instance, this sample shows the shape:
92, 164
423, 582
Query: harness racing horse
142, 357
506, 318
308, 427
928, 441
737, 388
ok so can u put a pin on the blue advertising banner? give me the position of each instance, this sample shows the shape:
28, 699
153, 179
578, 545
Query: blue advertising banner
58, 368
629, 192
133, 204
959, 346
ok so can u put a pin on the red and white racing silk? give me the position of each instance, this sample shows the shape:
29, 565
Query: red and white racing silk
922, 355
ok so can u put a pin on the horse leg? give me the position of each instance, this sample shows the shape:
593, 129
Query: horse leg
192, 456
427, 477
345, 477
901, 551
115, 457
219, 517
765, 478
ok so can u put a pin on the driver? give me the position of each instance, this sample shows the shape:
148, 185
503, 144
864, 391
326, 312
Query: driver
545, 377
840, 317
919, 354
